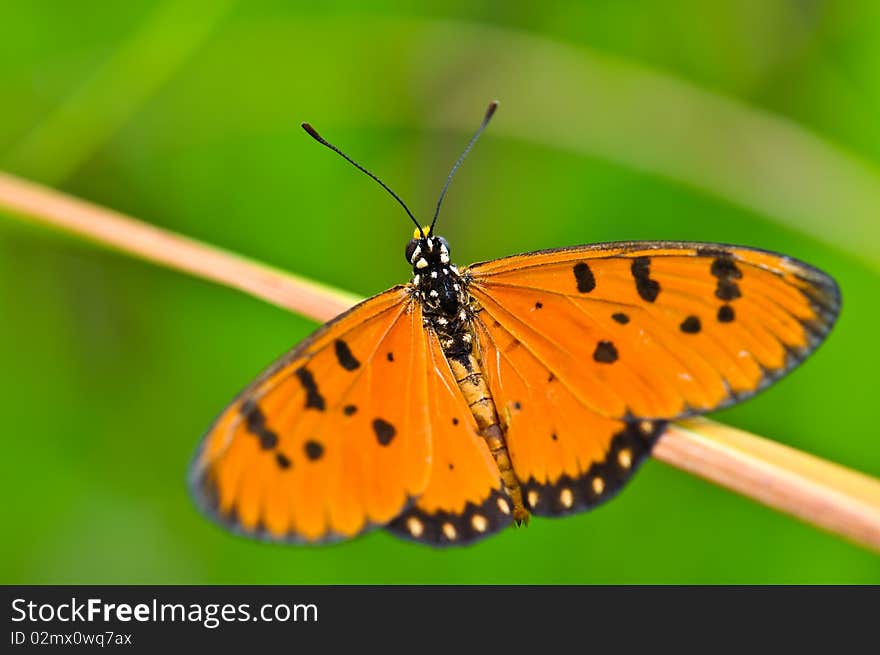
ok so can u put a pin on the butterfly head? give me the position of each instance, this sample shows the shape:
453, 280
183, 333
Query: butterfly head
427, 253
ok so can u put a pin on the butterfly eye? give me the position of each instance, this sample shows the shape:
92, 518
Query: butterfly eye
444, 243
411, 250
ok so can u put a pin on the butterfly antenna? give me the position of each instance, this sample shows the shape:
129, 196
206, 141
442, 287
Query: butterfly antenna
317, 137
489, 112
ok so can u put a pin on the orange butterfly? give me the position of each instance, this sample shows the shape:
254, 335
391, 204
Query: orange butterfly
465, 400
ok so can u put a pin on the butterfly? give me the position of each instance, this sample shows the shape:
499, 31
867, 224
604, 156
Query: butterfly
466, 400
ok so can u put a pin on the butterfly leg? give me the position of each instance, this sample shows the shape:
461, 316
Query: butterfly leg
469, 377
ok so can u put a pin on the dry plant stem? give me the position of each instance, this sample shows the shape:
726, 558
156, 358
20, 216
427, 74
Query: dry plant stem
154, 244
818, 492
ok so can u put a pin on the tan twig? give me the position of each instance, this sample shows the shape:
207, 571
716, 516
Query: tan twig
816, 491
819, 492
154, 244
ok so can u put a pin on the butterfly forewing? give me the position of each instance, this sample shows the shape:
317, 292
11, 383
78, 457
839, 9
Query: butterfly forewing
659, 329
333, 438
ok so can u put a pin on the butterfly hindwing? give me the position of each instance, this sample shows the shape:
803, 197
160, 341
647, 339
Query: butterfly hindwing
333, 438
589, 351
463, 501
567, 457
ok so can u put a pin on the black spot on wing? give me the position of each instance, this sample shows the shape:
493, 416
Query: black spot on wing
313, 449
620, 317
282, 460
345, 357
605, 353
390, 356
255, 423
725, 314
690, 325
724, 266
253, 416
725, 270
602, 480
647, 288
385, 432
314, 399
584, 278
268, 439
539, 305
727, 290
441, 529
349, 410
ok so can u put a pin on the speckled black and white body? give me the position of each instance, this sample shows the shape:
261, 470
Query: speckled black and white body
448, 310
442, 292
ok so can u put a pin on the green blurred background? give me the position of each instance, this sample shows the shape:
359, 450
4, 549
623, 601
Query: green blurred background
745, 122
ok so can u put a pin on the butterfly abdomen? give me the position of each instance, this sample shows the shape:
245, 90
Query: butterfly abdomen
476, 392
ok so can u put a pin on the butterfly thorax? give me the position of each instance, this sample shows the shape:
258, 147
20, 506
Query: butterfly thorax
442, 292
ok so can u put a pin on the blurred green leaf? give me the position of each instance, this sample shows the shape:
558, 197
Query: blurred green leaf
107, 98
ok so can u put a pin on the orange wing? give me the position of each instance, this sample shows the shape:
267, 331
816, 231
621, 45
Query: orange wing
333, 438
463, 501
589, 350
